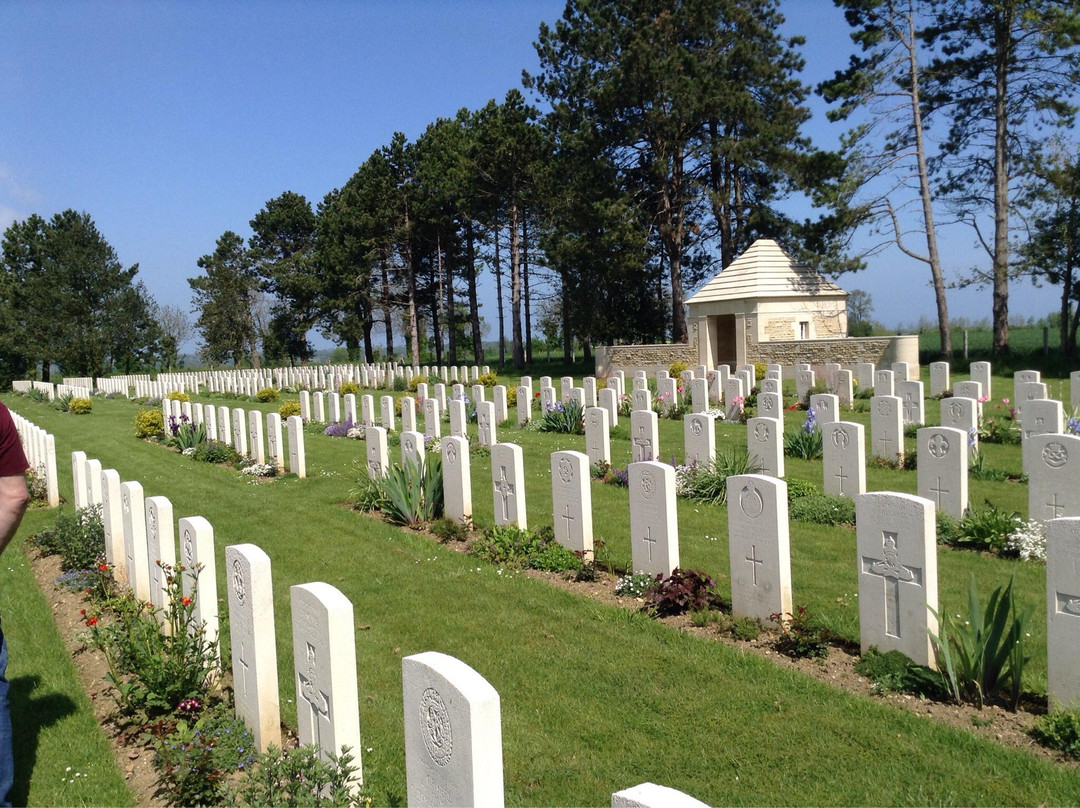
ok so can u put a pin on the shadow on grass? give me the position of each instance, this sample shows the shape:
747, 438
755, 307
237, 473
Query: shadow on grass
29, 716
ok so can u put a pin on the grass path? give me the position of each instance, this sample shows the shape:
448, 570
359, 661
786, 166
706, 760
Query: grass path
593, 699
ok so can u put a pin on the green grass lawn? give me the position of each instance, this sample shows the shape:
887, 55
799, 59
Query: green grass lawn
593, 699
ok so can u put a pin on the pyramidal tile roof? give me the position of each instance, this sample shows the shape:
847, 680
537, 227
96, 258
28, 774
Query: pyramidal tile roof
765, 271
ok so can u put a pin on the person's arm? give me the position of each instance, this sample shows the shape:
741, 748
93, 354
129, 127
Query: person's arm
14, 497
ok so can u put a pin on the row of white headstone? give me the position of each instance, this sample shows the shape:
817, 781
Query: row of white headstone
453, 725
249, 434
39, 447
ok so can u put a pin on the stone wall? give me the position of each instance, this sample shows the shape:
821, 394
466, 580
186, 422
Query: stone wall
650, 358
848, 352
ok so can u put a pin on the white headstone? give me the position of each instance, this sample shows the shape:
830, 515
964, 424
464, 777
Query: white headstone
1039, 417
412, 448
160, 550
112, 519
1054, 477
349, 400
804, 383
826, 408
408, 414
896, 538
297, 456
644, 436
485, 423
864, 375
597, 435
765, 445
962, 413
902, 371
224, 421
275, 442
254, 647
699, 395
324, 670
1063, 612
980, 372
457, 479
498, 398
884, 383
508, 485
458, 418
650, 795
654, 525
78, 480
453, 733
844, 387
378, 455
524, 405
432, 418
609, 400
887, 428
844, 456
641, 400
699, 439
239, 432
93, 485
943, 468
571, 502
734, 398
255, 436
911, 402
939, 378
758, 546
200, 575
133, 507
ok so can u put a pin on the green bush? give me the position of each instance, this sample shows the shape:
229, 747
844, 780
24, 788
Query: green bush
823, 509
149, 424
676, 368
448, 530
986, 530
634, 586
63, 403
513, 547
682, 591
81, 406
806, 444
487, 379
399, 384
187, 436
289, 408
894, 671
344, 389
416, 381
568, 419
414, 492
177, 396
708, 484
983, 656
801, 636
213, 451
77, 537
1059, 730
297, 776
267, 394
797, 488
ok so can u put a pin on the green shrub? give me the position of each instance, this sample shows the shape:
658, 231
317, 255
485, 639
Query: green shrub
63, 403
797, 488
823, 509
399, 384
682, 591
896, 672
414, 492
81, 406
149, 424
806, 444
368, 495
213, 451
708, 484
634, 586
568, 419
77, 537
416, 381
187, 436
746, 628
988, 529
487, 379
448, 530
511, 546
299, 776
1059, 730
344, 389
267, 394
983, 656
801, 636
511, 397
177, 396
289, 408
676, 368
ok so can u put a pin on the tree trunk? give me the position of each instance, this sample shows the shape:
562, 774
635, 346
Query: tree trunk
499, 299
474, 306
388, 322
567, 339
46, 370
1003, 53
451, 312
525, 281
933, 258
515, 286
437, 301
369, 349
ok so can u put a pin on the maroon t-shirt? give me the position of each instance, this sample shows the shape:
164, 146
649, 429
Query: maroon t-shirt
12, 458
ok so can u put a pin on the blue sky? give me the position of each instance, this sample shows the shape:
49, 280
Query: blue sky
171, 122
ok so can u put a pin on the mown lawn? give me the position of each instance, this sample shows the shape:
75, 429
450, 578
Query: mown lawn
595, 699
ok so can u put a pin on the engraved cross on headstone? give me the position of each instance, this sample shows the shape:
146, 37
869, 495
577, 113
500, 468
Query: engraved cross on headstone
938, 491
245, 670
569, 519
316, 699
644, 445
506, 490
1053, 503
885, 444
755, 562
841, 476
892, 574
649, 540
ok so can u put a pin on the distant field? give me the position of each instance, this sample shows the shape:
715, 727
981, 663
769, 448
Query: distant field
1025, 347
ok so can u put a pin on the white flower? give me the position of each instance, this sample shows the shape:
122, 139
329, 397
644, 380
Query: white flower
1028, 541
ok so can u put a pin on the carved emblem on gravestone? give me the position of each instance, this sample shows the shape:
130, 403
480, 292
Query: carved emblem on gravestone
451, 453
435, 726
884, 408
956, 409
151, 524
761, 432
1055, 455
566, 470
695, 426
648, 483
840, 438
750, 502
125, 500
189, 547
410, 445
238, 580
938, 446
766, 403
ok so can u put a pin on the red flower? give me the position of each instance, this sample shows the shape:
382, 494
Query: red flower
103, 567
186, 601
82, 611
91, 621
89, 591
